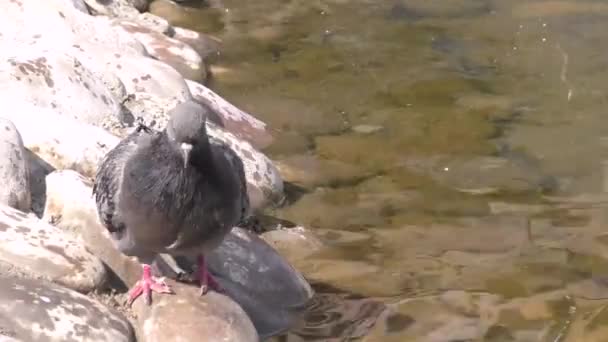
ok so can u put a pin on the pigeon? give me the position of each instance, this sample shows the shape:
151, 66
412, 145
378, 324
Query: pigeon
176, 191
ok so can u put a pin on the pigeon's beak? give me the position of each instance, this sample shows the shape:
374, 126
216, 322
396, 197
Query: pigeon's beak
186, 149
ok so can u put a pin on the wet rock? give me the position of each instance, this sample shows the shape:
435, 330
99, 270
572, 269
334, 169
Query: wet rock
293, 243
70, 206
35, 310
206, 46
481, 175
33, 248
559, 8
267, 287
14, 169
168, 50
69, 145
187, 316
39, 169
233, 119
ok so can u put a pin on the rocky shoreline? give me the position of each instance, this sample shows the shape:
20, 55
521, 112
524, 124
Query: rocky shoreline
79, 74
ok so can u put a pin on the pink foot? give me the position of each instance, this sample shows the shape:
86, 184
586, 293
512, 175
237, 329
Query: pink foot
205, 278
147, 285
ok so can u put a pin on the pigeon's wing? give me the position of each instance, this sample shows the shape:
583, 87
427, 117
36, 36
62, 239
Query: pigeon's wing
109, 178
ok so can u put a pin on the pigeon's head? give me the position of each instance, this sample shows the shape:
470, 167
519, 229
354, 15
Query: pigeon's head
186, 127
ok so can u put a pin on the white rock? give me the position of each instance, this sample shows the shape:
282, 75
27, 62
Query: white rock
35, 249
14, 169
70, 205
49, 79
68, 145
171, 51
236, 121
35, 310
115, 8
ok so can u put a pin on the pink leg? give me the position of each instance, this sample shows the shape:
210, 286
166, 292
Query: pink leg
147, 285
205, 278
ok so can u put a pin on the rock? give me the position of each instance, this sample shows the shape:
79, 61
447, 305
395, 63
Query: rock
154, 23
171, 51
69, 145
70, 206
267, 287
293, 243
14, 169
33, 248
35, 310
187, 316
58, 81
367, 129
115, 8
208, 47
146, 75
238, 122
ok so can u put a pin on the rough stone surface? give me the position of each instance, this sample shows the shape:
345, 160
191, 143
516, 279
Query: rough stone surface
116, 8
70, 206
35, 310
171, 51
56, 80
33, 248
69, 145
240, 123
14, 169
187, 316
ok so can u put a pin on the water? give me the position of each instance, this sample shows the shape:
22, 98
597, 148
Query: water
448, 154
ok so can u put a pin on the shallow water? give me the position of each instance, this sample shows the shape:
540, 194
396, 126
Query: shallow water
449, 155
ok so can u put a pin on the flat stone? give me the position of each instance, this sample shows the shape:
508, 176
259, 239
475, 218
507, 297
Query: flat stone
35, 249
168, 50
233, 119
293, 243
186, 316
35, 310
14, 168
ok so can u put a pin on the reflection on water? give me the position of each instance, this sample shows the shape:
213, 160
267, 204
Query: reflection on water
449, 156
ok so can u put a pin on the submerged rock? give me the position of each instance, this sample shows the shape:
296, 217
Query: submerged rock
35, 310
14, 168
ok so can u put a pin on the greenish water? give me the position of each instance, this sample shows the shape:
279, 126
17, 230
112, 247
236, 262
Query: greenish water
448, 154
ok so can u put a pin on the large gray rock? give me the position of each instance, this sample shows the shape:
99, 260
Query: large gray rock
35, 310
35, 249
14, 169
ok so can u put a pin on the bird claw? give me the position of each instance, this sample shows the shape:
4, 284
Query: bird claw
146, 286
